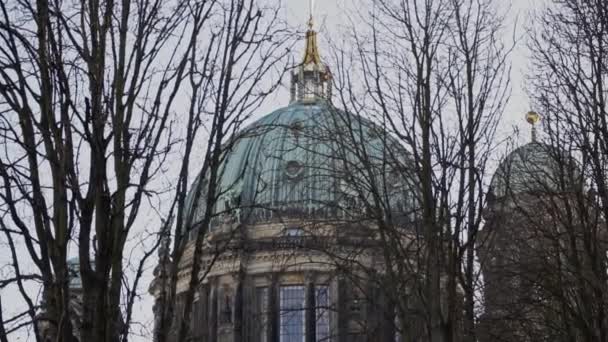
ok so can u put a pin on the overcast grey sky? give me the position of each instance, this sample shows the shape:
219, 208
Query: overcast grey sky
331, 14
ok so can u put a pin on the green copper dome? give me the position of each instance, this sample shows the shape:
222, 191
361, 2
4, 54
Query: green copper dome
308, 160
534, 168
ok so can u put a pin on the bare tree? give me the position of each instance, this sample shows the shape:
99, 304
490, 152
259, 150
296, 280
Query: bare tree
89, 93
435, 79
479, 91
567, 231
250, 47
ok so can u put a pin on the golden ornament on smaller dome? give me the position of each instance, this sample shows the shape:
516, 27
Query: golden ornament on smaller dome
532, 117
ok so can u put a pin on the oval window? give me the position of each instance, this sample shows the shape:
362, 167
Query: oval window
293, 169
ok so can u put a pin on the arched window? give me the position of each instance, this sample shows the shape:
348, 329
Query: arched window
292, 319
225, 303
293, 313
293, 232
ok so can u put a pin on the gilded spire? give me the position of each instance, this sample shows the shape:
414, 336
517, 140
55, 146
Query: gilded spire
533, 118
311, 80
311, 54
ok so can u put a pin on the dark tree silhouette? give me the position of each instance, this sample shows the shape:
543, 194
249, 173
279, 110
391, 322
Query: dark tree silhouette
97, 99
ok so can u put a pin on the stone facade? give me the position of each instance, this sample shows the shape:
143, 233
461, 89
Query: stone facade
537, 249
245, 293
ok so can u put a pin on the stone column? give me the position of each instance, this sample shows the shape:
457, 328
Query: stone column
248, 311
238, 310
380, 314
342, 310
213, 312
204, 303
273, 307
388, 325
311, 319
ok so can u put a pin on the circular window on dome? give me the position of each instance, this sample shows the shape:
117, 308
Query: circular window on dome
296, 129
293, 169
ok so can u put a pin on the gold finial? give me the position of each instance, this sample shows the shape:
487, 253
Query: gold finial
311, 55
311, 81
533, 118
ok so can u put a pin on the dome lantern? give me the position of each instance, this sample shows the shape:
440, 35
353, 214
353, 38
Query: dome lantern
311, 80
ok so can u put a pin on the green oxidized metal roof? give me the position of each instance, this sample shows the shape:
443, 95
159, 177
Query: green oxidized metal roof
308, 160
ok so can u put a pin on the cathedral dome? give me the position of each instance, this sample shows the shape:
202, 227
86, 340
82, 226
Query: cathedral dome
305, 161
533, 168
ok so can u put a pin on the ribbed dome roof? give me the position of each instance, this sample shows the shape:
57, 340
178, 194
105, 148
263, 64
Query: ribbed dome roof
534, 168
301, 161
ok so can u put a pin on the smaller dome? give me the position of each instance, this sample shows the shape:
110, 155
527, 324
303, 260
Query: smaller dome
534, 168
